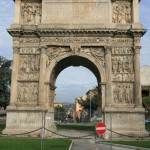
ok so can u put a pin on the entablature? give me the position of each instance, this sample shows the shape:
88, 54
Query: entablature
76, 32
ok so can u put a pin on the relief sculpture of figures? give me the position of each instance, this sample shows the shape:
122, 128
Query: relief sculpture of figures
121, 12
123, 93
31, 13
54, 52
122, 64
27, 92
29, 63
97, 53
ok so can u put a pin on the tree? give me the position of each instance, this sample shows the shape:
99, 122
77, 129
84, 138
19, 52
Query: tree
5, 81
60, 113
86, 103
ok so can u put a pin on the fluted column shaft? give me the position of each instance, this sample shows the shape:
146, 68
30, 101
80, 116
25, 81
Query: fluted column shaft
135, 7
17, 11
41, 100
137, 79
14, 77
108, 75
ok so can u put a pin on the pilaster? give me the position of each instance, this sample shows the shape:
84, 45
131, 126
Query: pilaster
41, 100
108, 68
17, 11
135, 6
137, 79
14, 77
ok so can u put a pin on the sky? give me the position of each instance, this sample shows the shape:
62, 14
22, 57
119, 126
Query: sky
72, 81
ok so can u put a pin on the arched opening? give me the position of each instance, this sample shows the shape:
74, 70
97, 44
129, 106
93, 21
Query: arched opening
75, 85
75, 61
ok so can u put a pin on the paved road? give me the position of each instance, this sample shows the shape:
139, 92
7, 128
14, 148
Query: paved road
88, 144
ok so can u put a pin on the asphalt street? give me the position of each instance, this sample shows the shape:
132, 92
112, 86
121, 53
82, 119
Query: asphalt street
89, 144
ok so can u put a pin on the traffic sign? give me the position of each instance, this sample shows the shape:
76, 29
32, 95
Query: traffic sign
100, 128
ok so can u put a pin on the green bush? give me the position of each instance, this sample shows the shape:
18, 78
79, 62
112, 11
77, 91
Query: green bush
75, 127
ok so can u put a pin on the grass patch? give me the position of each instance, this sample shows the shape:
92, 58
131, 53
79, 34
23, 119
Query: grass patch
75, 127
144, 144
33, 144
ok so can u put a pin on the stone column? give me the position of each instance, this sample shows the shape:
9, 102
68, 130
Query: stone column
41, 100
14, 76
108, 68
135, 7
17, 12
137, 81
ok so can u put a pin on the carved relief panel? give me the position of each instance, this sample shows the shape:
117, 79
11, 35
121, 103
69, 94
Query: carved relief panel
96, 52
122, 64
123, 93
29, 40
31, 12
122, 11
102, 40
29, 66
27, 92
55, 51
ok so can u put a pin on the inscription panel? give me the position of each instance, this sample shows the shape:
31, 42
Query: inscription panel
76, 11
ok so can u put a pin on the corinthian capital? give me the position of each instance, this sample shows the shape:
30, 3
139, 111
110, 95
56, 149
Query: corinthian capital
137, 41
43, 49
137, 49
108, 49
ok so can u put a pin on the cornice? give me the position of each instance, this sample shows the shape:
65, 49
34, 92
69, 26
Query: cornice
75, 32
17, 32
138, 32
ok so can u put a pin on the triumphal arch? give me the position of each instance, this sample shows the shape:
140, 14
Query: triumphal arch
101, 35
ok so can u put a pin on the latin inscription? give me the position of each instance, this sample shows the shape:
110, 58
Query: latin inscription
84, 11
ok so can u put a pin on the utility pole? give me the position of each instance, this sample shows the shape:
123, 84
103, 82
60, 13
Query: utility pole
90, 107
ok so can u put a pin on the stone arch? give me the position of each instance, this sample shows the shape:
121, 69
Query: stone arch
60, 63
95, 62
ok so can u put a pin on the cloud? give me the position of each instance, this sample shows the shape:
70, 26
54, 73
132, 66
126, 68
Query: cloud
71, 75
145, 40
6, 19
74, 82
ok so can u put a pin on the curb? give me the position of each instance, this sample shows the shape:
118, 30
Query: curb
125, 146
70, 147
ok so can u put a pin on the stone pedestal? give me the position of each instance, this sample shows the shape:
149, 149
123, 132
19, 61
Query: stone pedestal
22, 121
129, 122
